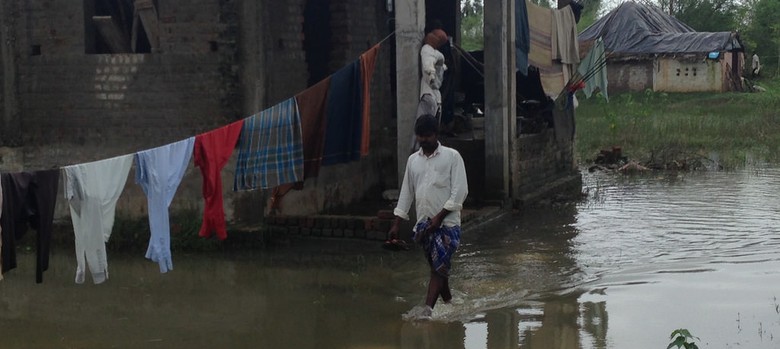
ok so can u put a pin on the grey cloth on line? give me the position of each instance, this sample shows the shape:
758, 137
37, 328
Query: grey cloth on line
592, 62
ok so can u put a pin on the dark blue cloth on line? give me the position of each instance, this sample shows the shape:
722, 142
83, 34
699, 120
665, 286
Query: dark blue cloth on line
522, 37
344, 110
28, 200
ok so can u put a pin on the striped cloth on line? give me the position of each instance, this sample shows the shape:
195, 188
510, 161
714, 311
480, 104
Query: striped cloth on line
270, 148
540, 20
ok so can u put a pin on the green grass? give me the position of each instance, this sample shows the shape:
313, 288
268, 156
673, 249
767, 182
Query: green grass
732, 127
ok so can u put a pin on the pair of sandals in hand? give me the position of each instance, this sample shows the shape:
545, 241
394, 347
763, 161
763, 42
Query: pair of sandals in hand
395, 245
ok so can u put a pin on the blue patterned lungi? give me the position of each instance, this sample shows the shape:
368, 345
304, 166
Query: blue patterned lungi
439, 246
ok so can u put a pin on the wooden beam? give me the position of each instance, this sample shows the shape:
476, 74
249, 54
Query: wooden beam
145, 10
112, 34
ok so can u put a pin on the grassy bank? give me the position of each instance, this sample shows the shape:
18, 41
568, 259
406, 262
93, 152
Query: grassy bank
731, 127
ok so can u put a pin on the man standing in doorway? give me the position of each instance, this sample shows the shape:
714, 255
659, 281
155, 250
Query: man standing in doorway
433, 68
435, 179
756, 65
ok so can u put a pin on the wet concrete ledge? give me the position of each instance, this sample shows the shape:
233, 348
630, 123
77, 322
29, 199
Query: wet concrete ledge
563, 189
281, 228
132, 234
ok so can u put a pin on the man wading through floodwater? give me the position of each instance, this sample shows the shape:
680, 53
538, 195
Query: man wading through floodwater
435, 179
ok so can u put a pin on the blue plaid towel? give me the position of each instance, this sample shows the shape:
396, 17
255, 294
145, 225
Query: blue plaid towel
270, 148
439, 246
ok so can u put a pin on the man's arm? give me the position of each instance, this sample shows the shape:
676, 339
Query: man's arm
437, 220
460, 185
428, 64
405, 198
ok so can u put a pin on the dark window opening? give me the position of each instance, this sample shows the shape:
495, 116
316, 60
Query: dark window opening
317, 39
35, 50
120, 26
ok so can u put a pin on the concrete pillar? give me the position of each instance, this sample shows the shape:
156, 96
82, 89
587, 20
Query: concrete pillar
10, 121
409, 26
514, 159
511, 58
252, 56
497, 98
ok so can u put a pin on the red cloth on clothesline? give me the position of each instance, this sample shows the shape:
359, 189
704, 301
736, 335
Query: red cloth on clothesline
212, 151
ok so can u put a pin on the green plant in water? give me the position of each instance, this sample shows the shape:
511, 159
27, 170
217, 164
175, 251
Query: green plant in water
682, 338
611, 117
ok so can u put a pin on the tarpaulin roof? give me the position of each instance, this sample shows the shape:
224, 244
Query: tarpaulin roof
634, 28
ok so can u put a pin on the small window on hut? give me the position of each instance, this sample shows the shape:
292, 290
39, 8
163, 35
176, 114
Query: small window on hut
120, 26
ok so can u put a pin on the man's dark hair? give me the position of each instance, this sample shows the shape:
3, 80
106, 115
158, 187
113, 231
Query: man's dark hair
433, 24
426, 125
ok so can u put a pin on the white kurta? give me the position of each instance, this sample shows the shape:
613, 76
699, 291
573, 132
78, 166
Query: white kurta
434, 183
433, 68
92, 190
756, 64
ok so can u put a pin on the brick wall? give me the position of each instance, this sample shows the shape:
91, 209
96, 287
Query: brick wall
10, 130
76, 107
120, 102
56, 25
285, 58
355, 26
125, 102
541, 164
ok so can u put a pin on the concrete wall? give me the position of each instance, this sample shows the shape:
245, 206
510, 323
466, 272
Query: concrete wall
625, 76
667, 74
544, 167
218, 61
673, 75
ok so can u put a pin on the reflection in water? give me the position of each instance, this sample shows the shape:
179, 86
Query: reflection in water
594, 322
642, 257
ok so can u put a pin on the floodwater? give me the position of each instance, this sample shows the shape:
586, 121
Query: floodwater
640, 257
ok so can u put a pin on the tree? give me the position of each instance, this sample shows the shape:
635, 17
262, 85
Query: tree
763, 30
545, 3
472, 23
705, 15
590, 13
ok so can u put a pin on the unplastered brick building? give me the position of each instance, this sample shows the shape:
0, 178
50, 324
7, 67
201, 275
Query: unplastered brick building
86, 80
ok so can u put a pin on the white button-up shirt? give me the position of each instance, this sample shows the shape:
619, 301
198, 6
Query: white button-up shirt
434, 182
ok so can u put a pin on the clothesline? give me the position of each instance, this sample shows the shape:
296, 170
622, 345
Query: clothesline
378, 43
333, 115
